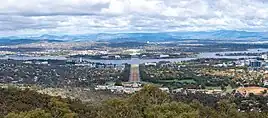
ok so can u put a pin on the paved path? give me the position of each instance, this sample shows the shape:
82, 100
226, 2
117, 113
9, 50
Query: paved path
134, 73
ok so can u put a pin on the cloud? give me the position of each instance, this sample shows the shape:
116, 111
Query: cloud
93, 16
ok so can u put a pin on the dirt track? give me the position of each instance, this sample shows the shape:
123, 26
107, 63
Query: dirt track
134, 73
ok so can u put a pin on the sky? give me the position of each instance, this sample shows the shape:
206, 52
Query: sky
18, 17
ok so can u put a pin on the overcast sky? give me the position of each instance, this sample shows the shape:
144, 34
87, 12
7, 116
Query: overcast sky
97, 16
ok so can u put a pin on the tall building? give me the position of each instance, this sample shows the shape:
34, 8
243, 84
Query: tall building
255, 63
80, 60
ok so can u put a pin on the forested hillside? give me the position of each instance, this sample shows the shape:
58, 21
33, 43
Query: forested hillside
150, 102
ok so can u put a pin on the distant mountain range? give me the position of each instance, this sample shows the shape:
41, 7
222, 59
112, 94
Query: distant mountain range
140, 37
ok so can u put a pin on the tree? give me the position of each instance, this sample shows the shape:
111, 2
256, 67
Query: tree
37, 113
150, 94
223, 88
204, 111
226, 109
264, 92
117, 108
118, 83
61, 109
171, 110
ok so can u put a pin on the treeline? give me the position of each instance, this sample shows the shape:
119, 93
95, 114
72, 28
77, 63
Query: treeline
253, 102
124, 76
150, 102
55, 74
15, 103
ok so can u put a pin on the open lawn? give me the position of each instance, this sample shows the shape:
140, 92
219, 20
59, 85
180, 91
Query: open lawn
181, 81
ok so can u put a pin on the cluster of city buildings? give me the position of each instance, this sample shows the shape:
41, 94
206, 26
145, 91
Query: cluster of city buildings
127, 88
80, 62
206, 91
6, 52
253, 64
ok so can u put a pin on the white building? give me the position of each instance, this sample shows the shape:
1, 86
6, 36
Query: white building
264, 56
265, 82
165, 89
150, 64
164, 56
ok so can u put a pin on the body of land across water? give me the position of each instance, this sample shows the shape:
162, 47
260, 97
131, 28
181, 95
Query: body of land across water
140, 61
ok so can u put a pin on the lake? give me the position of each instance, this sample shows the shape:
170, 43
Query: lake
139, 61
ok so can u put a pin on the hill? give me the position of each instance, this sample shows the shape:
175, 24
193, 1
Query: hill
140, 37
150, 102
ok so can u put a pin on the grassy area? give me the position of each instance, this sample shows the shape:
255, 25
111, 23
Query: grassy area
182, 81
229, 89
187, 81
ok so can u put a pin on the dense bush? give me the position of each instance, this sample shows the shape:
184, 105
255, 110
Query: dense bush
150, 102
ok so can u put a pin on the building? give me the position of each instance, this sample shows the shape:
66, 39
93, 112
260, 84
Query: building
117, 56
28, 62
255, 63
41, 62
264, 56
221, 65
163, 56
150, 64
265, 82
164, 89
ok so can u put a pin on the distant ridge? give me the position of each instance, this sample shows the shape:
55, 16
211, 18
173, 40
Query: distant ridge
140, 37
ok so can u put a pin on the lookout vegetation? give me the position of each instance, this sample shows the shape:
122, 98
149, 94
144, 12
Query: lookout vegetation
150, 102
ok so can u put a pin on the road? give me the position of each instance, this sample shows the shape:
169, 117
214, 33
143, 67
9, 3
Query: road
134, 73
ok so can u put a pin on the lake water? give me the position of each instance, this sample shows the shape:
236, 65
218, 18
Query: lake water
15, 57
139, 61
213, 54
